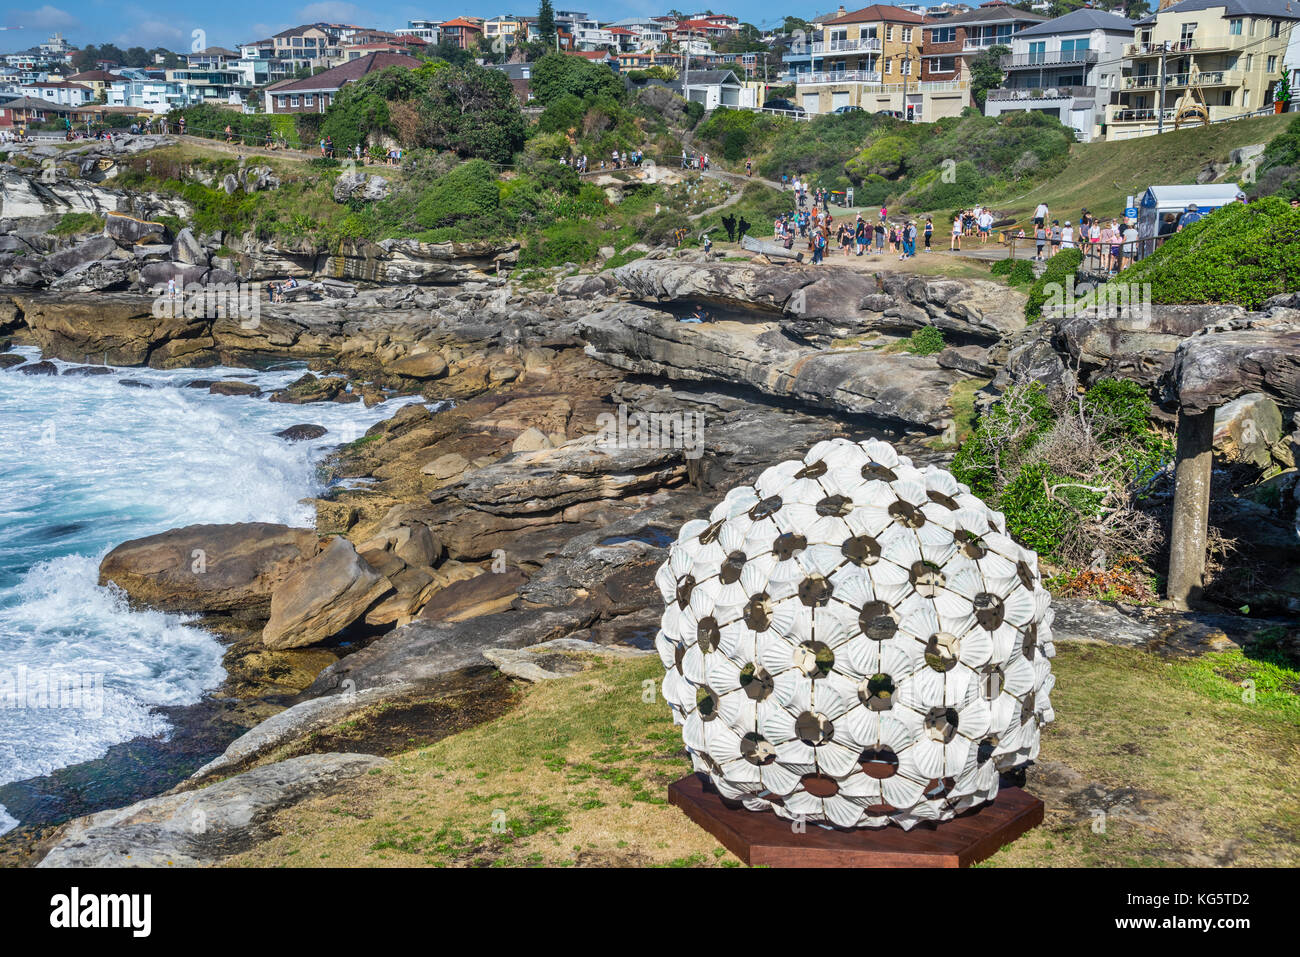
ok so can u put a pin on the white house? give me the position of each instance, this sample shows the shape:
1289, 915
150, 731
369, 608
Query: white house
1067, 68
62, 93
715, 88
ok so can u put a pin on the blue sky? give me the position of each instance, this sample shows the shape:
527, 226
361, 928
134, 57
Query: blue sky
151, 23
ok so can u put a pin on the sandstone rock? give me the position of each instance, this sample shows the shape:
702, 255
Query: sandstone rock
446, 467
424, 365
233, 387
302, 432
485, 594
129, 231
39, 368
187, 249
212, 568
1249, 429
200, 827
558, 658
530, 440
424, 650
92, 250
322, 596
100, 276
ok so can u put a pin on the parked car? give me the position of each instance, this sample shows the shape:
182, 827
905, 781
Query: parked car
896, 114
784, 105
847, 109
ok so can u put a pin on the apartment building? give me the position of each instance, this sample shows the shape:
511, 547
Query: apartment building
952, 42
462, 31
1069, 68
871, 59
427, 30
1228, 54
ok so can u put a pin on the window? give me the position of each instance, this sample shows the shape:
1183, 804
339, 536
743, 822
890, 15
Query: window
1234, 27
1276, 30
308, 99
907, 67
907, 34
943, 35
889, 65
1038, 51
889, 33
293, 100
1272, 64
942, 64
1225, 98
1250, 62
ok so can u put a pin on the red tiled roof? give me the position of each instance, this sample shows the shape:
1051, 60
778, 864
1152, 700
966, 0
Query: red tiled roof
878, 11
462, 22
334, 78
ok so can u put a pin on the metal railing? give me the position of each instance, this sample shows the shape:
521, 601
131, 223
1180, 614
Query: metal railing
838, 76
1151, 81
1015, 61
1189, 44
1046, 93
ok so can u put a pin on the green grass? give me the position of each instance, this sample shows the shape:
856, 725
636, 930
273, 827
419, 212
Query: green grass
577, 775
1100, 176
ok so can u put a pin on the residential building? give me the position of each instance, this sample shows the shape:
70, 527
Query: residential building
1069, 68
96, 80
429, 31
715, 88
149, 93
213, 86
520, 76
509, 28
463, 32
953, 41
24, 110
314, 94
649, 33
1227, 54
211, 58
871, 58
61, 92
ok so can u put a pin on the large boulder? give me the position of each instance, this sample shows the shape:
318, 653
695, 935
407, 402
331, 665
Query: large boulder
187, 249
203, 826
129, 231
322, 597
209, 568
100, 276
92, 250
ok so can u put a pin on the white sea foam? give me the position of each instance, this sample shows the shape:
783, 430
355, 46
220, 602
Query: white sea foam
86, 463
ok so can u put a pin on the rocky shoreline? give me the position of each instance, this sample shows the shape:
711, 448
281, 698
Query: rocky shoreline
519, 503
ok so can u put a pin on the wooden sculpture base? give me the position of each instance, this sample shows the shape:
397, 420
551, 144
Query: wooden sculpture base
760, 838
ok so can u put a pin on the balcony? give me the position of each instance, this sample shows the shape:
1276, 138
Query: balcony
822, 47
1188, 45
1026, 61
1151, 81
1141, 116
1046, 93
838, 76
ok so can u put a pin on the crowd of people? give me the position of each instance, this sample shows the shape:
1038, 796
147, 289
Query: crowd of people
627, 159
698, 161
812, 223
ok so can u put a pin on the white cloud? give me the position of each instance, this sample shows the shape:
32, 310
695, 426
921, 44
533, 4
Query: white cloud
331, 11
154, 33
43, 18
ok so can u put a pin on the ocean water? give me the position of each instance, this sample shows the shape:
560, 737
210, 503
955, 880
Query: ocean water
87, 463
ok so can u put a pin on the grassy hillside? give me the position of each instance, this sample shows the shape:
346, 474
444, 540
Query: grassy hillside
1099, 176
577, 774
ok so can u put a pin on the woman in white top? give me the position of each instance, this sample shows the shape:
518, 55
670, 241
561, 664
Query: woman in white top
1067, 236
955, 242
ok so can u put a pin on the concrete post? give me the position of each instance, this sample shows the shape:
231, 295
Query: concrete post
1195, 457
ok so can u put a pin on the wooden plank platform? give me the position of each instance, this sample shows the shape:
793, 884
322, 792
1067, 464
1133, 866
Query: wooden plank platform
760, 838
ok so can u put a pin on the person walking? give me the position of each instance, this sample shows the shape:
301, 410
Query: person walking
1040, 239
929, 232
1067, 236
1055, 236
954, 244
1040, 215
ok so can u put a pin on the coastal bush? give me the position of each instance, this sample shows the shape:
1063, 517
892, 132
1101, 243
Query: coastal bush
1241, 253
925, 341
736, 134
882, 158
1017, 272
1071, 478
71, 224
1060, 268
467, 192
556, 75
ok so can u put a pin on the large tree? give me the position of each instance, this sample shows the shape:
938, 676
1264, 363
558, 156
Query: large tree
558, 73
546, 20
986, 72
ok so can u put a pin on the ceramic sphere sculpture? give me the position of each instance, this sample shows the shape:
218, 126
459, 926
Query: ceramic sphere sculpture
854, 641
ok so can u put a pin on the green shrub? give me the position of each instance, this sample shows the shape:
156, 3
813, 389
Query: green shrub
71, 224
1018, 272
925, 341
1060, 268
884, 158
1070, 479
1240, 253
467, 192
